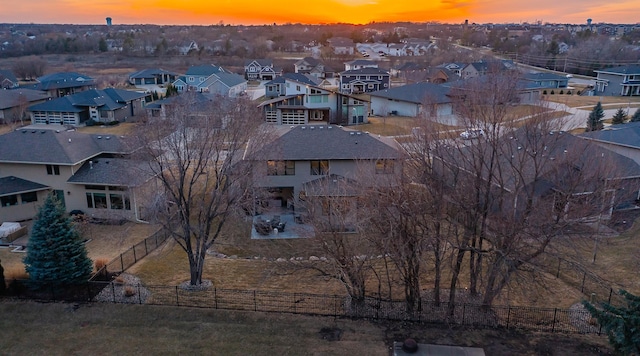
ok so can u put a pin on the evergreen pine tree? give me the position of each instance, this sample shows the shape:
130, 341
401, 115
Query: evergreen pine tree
55, 252
622, 324
636, 116
594, 122
620, 117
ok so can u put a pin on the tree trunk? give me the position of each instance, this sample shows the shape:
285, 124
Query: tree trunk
454, 281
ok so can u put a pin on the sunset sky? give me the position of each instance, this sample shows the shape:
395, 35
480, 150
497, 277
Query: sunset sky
206, 12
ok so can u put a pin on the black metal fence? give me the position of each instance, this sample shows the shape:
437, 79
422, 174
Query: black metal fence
553, 320
132, 255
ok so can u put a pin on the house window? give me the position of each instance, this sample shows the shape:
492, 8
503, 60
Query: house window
297, 88
29, 197
96, 200
53, 169
281, 168
9, 200
319, 168
191, 79
384, 166
119, 201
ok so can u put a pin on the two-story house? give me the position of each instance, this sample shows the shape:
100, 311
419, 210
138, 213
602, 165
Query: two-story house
547, 80
412, 100
364, 80
57, 85
618, 81
86, 172
306, 161
210, 78
341, 45
360, 64
260, 69
98, 105
288, 84
313, 67
299, 102
480, 68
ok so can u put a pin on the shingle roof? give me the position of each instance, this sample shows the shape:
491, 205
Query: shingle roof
629, 69
52, 147
230, 79
63, 80
298, 77
204, 70
543, 76
367, 70
108, 99
150, 73
264, 62
113, 171
416, 93
5, 73
11, 98
316, 142
13, 185
624, 135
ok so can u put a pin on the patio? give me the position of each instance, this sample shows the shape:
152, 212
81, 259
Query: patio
280, 224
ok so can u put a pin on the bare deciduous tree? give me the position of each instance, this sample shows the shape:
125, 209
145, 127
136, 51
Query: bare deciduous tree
196, 153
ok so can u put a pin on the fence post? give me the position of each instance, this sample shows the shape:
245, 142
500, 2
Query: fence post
610, 294
135, 258
255, 303
215, 297
121, 264
464, 310
584, 276
508, 315
146, 250
113, 292
555, 312
177, 301
88, 291
139, 296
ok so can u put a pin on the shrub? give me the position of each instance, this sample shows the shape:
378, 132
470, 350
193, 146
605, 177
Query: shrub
552, 92
90, 122
100, 263
119, 280
129, 291
113, 123
544, 92
561, 91
568, 92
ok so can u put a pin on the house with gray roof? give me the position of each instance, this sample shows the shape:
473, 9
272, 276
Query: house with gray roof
213, 79
547, 80
289, 84
341, 45
623, 139
260, 69
413, 100
57, 85
364, 80
86, 172
98, 105
152, 76
313, 67
618, 81
8, 80
296, 164
480, 68
14, 103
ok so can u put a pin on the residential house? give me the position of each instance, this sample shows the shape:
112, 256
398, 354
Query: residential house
289, 84
260, 69
477, 69
547, 80
153, 77
341, 45
57, 85
195, 101
623, 139
309, 160
618, 81
456, 68
360, 64
210, 78
413, 100
364, 80
8, 80
86, 172
98, 105
313, 67
302, 103
14, 103
185, 47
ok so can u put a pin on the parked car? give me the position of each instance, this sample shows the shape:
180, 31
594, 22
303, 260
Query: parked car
472, 133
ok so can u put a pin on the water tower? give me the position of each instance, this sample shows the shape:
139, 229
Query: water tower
108, 21
589, 22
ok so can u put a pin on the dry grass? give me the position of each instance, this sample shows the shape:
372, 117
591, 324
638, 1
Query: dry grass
62, 329
575, 101
124, 128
